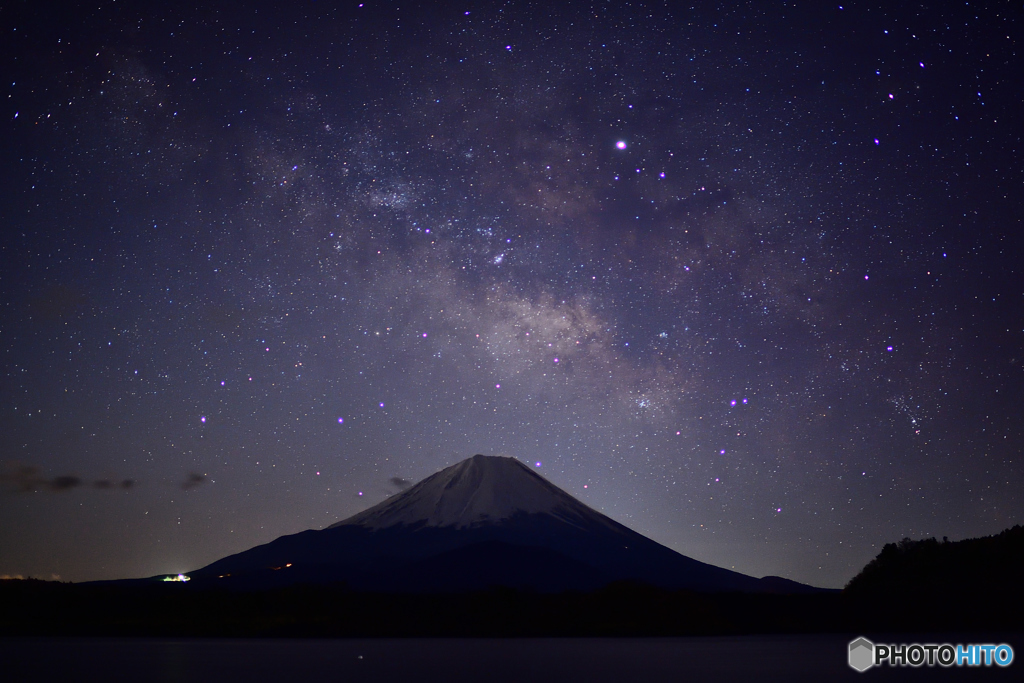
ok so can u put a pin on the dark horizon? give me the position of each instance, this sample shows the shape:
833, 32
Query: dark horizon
746, 280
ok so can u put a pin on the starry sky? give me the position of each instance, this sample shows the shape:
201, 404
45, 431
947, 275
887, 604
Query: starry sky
745, 277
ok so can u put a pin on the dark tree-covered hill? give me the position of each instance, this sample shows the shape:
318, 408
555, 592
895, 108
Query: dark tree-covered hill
974, 583
992, 563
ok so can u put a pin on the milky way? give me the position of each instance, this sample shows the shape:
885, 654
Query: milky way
745, 280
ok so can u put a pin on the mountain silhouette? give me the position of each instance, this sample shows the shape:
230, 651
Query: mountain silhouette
973, 584
990, 564
484, 522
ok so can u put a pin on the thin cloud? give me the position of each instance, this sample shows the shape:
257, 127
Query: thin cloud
401, 484
64, 482
193, 480
28, 479
107, 484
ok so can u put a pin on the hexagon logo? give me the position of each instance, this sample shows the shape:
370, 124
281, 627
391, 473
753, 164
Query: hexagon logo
862, 654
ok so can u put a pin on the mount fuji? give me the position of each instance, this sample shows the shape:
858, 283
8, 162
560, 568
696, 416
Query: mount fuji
484, 522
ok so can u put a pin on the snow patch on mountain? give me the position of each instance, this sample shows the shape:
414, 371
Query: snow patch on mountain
479, 490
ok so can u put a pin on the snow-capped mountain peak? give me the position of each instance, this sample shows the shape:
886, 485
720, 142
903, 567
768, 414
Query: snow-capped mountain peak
481, 489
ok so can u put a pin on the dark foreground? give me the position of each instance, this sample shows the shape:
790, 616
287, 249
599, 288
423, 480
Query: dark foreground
40, 608
715, 659
181, 632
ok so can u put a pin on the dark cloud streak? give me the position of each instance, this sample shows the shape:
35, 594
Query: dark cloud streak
193, 480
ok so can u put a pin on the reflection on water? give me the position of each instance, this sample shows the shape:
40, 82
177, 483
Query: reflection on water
533, 660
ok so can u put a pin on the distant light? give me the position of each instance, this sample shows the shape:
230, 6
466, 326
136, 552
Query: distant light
888, 348
179, 577
744, 400
497, 386
865, 277
584, 486
621, 144
556, 360
360, 493
876, 141
222, 383
382, 404
721, 452
202, 418
537, 464
424, 335
732, 402
341, 420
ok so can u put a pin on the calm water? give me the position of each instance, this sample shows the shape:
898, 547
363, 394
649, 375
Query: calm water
751, 658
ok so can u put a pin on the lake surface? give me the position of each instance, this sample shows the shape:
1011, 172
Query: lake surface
527, 660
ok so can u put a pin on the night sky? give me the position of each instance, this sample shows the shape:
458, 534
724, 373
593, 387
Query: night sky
746, 277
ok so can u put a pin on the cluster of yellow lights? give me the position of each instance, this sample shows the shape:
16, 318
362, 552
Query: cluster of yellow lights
179, 577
